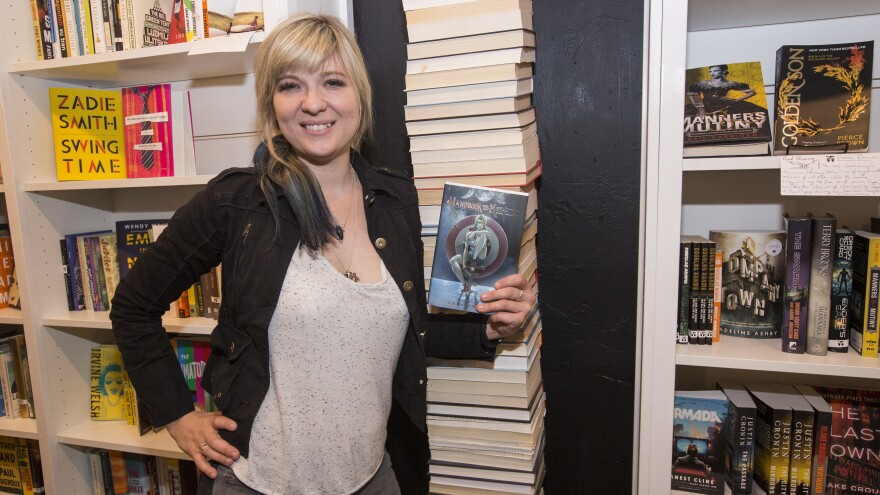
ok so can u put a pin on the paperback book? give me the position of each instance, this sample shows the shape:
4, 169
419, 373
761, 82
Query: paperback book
752, 282
863, 326
841, 291
854, 446
132, 239
823, 95
698, 441
107, 384
739, 455
148, 132
478, 243
772, 439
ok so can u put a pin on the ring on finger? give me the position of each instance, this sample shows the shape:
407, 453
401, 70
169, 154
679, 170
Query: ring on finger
519, 297
204, 447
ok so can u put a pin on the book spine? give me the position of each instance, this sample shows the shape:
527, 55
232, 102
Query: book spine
819, 300
866, 256
7, 378
96, 269
841, 292
85, 13
684, 292
97, 20
782, 455
801, 453
710, 293
65, 271
36, 466
23, 377
24, 466
75, 273
60, 28
717, 295
116, 25
107, 13
694, 319
109, 265
7, 264
107, 472
94, 384
130, 404
40, 40
71, 27
741, 450
85, 273
821, 446
797, 282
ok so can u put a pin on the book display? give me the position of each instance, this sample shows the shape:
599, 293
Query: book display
725, 193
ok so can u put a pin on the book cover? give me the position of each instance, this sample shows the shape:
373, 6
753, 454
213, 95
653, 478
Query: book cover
821, 438
478, 243
823, 95
149, 147
23, 376
248, 16
181, 10
87, 129
698, 441
707, 280
854, 446
753, 280
107, 400
138, 478
863, 328
739, 455
772, 439
152, 22
7, 265
132, 239
10, 475
841, 291
802, 429
819, 300
118, 472
220, 13
725, 103
798, 231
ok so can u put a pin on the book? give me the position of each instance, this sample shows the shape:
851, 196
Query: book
136, 470
819, 300
42, 18
118, 472
475, 139
467, 108
726, 104
25, 393
248, 16
467, 44
853, 460
480, 411
7, 265
452, 381
8, 381
718, 271
821, 437
698, 441
754, 267
152, 22
527, 148
10, 473
107, 400
87, 129
822, 98
132, 239
521, 160
149, 147
65, 271
471, 59
798, 231
472, 75
490, 180
478, 243
863, 327
802, 430
739, 454
470, 92
716, 150
772, 439
109, 263
685, 267
694, 329
220, 13
470, 18
841, 291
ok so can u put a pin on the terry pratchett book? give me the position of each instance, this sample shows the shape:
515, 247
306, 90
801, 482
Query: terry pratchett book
478, 243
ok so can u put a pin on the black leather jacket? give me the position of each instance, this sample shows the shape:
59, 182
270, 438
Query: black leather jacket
230, 222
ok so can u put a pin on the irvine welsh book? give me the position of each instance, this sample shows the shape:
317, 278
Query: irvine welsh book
821, 266
821, 438
478, 243
841, 291
753, 280
772, 439
726, 103
863, 328
739, 456
854, 446
107, 385
797, 283
698, 433
802, 430
87, 128
823, 95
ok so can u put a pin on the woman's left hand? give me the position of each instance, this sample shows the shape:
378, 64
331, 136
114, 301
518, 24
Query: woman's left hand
510, 302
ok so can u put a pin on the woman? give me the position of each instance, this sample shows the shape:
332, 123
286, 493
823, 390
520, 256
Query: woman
710, 96
323, 324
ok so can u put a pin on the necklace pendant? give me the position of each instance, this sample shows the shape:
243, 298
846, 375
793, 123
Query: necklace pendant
340, 231
351, 276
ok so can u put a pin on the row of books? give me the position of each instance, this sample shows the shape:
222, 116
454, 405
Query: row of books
114, 472
776, 439
132, 132
811, 285
71, 28
821, 103
16, 391
21, 467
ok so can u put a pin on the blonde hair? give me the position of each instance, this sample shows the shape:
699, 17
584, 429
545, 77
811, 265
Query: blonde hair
305, 42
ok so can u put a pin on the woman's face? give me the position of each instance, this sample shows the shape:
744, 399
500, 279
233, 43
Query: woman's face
716, 72
318, 112
113, 383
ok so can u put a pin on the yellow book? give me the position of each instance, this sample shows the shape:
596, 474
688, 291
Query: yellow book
10, 475
107, 384
88, 133
864, 325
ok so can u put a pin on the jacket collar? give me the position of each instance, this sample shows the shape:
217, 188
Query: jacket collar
371, 181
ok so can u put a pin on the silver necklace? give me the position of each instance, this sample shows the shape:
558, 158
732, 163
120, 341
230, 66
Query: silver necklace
339, 230
348, 273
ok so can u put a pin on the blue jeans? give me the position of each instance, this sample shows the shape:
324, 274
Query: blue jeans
226, 483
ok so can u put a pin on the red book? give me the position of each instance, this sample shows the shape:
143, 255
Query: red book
148, 134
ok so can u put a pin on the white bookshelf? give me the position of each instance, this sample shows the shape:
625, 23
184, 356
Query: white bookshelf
19, 427
99, 320
92, 185
118, 435
692, 195
10, 316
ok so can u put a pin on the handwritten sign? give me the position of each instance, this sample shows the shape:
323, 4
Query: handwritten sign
222, 44
848, 174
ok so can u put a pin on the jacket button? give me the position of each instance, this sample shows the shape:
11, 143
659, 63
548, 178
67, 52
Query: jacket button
421, 382
422, 335
232, 347
408, 286
218, 395
381, 243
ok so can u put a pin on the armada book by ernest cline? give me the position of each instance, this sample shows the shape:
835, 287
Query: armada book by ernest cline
699, 441
823, 98
753, 278
478, 243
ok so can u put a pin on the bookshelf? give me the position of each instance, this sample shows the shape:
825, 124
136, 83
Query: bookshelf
41, 211
690, 196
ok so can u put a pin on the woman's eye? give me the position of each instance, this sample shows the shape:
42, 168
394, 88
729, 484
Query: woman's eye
284, 86
335, 83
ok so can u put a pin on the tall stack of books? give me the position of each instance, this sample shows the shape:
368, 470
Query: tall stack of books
470, 121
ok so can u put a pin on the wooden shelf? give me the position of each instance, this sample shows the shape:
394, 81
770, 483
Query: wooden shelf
765, 355
100, 320
79, 185
143, 66
730, 163
21, 428
118, 435
10, 316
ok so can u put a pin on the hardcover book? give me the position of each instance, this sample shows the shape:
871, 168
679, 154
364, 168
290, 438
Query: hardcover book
841, 291
823, 95
772, 439
863, 326
753, 279
739, 455
7, 265
726, 103
821, 266
454, 46
854, 446
797, 282
478, 243
486, 16
698, 441
88, 133
107, 384
149, 146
